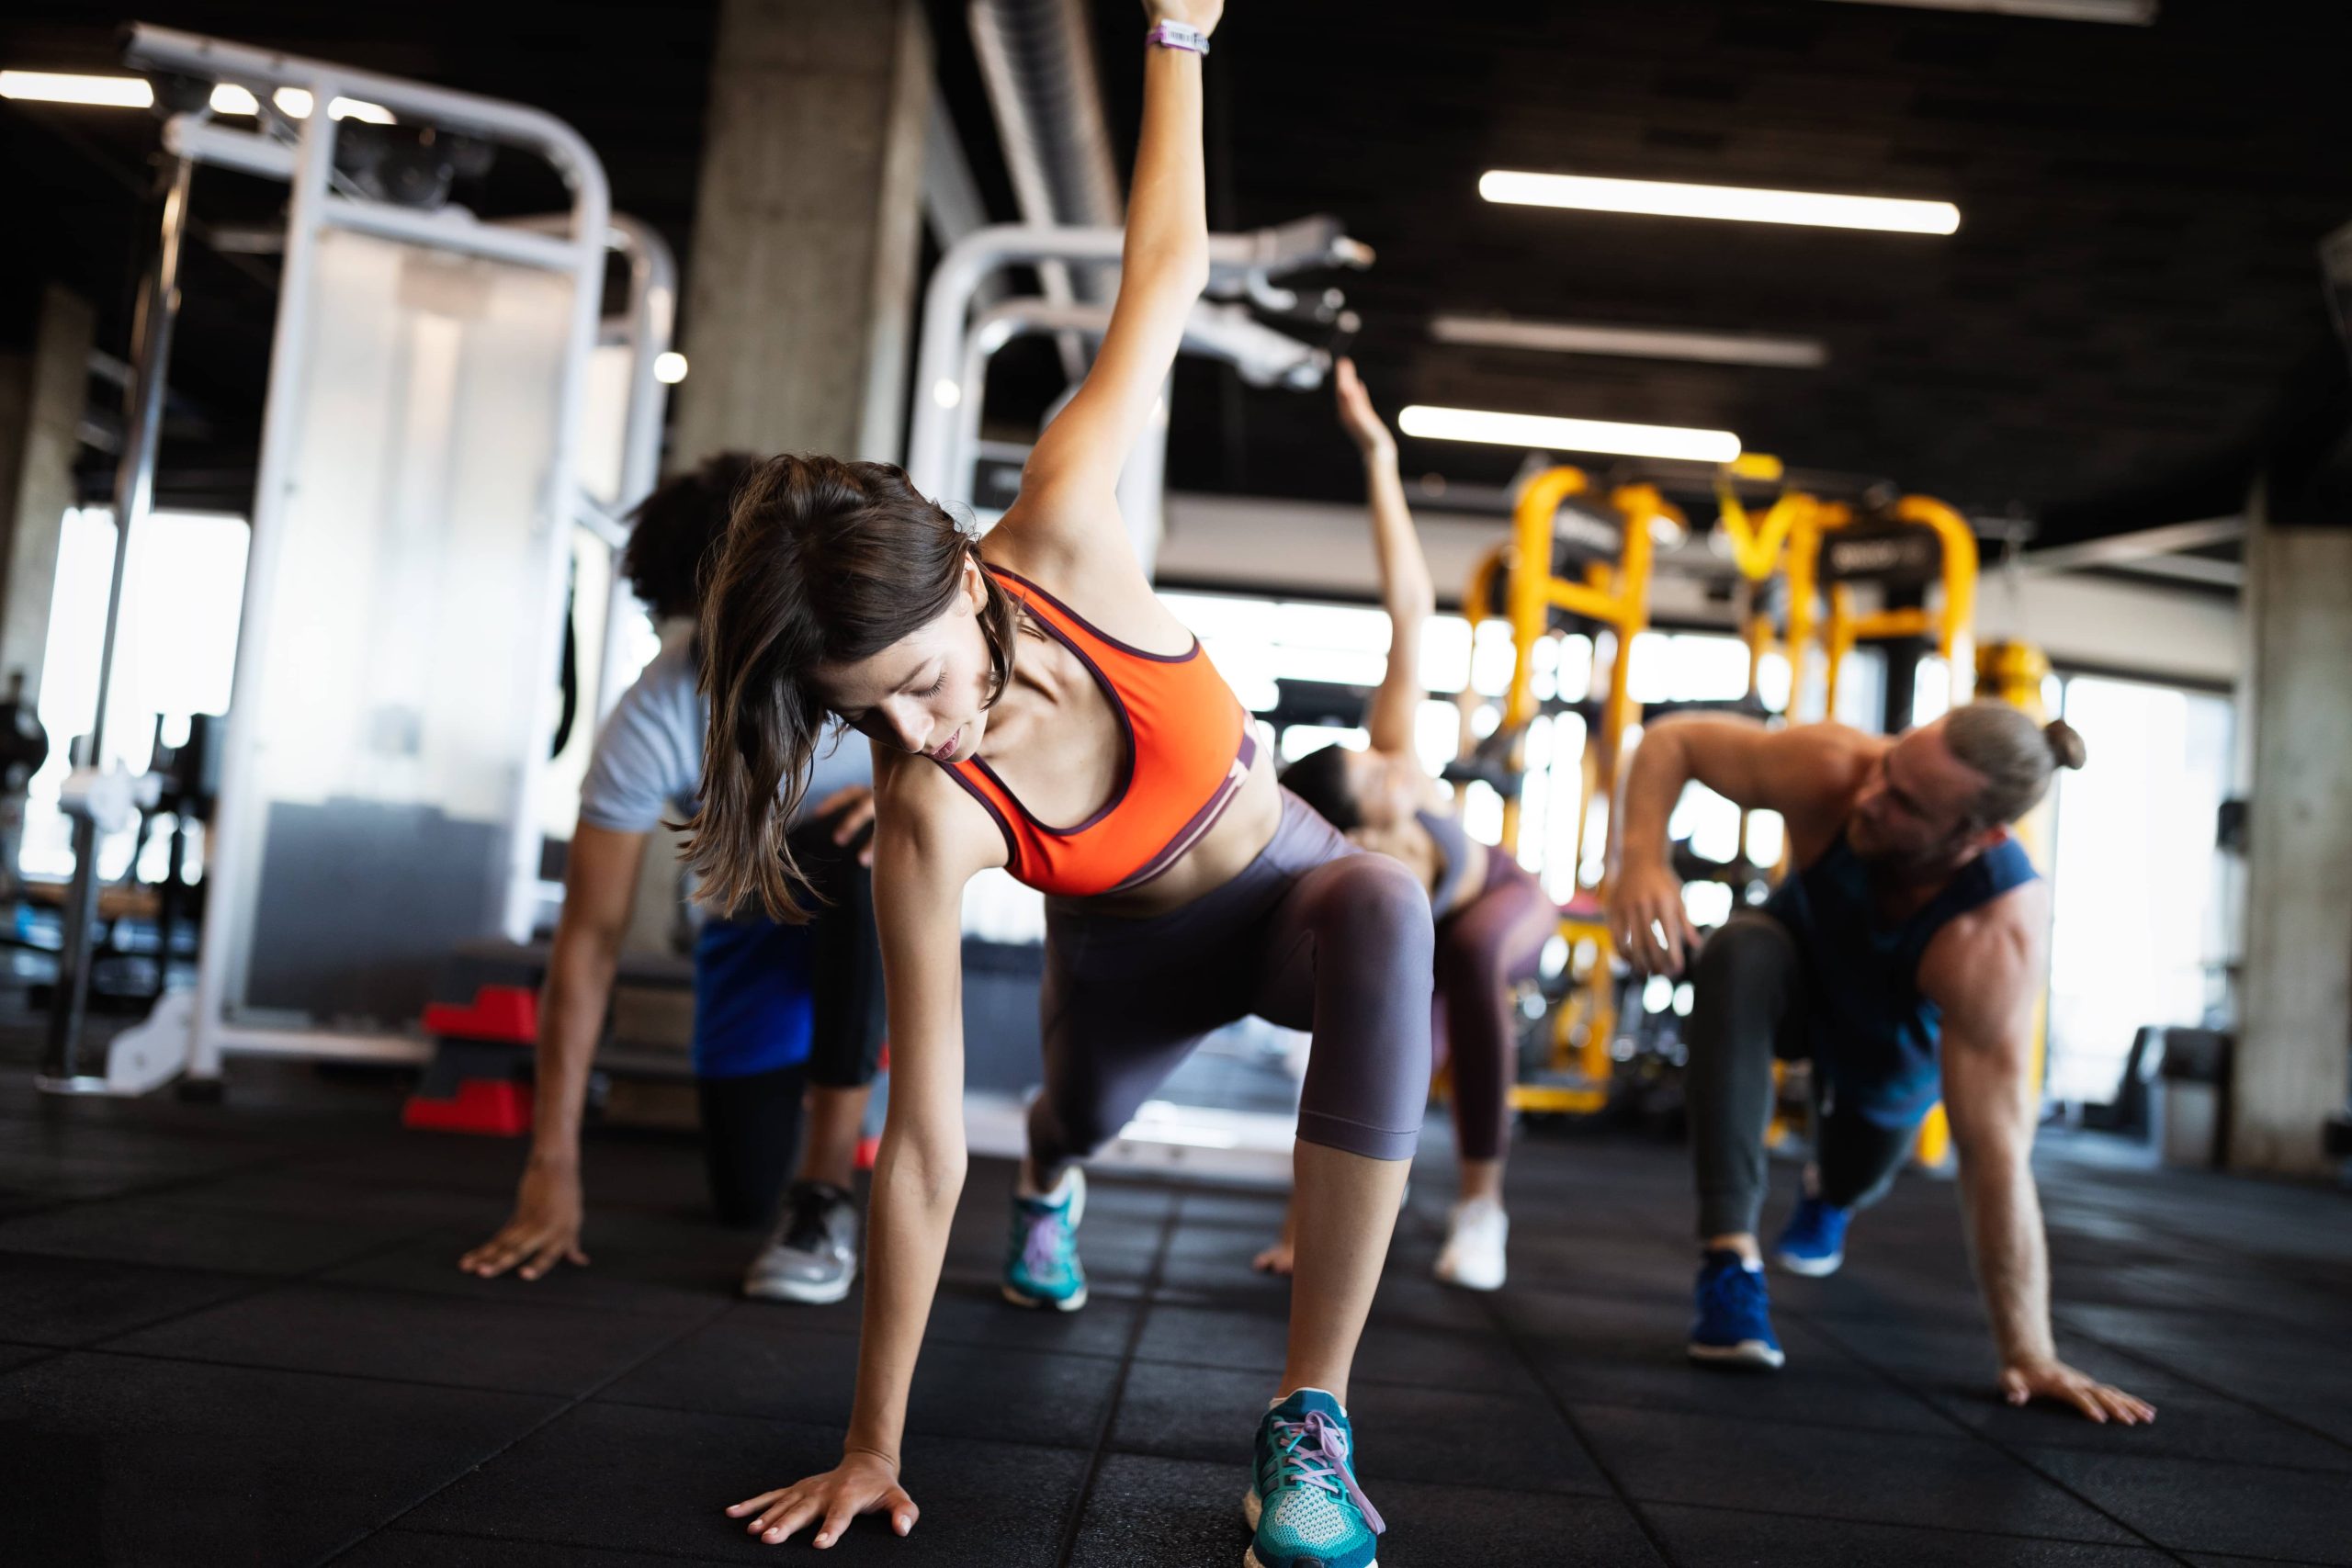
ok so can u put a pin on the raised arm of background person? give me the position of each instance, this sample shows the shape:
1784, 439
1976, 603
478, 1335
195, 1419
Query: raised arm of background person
1806, 773
929, 842
1066, 516
1406, 591
599, 886
1985, 971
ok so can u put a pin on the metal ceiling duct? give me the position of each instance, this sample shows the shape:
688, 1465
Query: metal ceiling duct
1037, 60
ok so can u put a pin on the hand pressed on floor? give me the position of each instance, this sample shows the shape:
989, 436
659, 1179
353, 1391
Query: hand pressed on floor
2024, 1381
862, 1484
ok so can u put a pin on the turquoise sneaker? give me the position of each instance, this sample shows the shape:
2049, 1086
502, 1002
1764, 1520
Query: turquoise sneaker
1304, 1503
1041, 1267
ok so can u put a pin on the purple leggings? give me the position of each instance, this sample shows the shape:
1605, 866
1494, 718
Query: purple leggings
1485, 946
1313, 935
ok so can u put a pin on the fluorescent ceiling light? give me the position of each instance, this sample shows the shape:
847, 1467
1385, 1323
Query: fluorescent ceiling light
1737, 203
2133, 13
294, 103
1630, 342
64, 88
1541, 432
133, 93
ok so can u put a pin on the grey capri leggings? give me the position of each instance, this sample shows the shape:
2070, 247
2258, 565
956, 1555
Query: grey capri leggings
1313, 935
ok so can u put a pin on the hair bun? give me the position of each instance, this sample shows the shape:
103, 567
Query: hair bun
2066, 748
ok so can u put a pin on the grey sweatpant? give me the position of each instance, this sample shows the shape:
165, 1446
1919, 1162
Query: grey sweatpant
1313, 935
1747, 1007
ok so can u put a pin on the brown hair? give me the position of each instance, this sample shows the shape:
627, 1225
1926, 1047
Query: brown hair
2016, 756
824, 563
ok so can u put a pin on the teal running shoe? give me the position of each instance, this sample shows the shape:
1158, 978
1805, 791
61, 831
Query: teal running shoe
1305, 1503
1041, 1267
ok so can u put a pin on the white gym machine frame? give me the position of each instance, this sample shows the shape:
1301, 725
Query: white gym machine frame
189, 1031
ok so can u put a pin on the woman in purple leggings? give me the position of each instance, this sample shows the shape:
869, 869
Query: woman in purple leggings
1493, 918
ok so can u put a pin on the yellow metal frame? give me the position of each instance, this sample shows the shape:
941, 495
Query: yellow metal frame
1614, 596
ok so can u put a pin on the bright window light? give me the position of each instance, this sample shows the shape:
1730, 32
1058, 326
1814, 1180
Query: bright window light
1737, 203
229, 98
64, 88
1541, 432
1630, 342
669, 369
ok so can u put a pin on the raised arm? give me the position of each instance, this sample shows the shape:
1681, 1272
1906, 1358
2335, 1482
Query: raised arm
1068, 504
1983, 973
1807, 774
924, 853
1406, 591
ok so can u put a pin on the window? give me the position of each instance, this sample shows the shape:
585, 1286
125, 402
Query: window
175, 652
2137, 914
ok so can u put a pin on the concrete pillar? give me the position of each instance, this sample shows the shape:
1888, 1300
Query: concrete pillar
2294, 1054
42, 398
801, 286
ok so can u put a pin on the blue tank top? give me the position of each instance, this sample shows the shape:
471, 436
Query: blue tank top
1871, 1032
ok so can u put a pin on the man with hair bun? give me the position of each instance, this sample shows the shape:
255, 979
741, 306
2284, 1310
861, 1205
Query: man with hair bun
1903, 956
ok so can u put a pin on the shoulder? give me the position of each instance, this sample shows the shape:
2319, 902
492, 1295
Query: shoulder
927, 826
1990, 958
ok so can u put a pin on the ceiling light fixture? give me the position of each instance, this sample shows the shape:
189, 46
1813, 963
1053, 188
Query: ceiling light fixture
2131, 13
1544, 433
66, 87
1734, 203
1630, 342
669, 368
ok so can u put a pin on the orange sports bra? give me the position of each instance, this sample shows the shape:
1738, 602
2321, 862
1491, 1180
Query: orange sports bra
1190, 748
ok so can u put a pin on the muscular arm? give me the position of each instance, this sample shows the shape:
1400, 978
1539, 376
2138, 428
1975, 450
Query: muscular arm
1984, 972
1807, 774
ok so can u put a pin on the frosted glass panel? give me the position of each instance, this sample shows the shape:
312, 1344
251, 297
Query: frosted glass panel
403, 695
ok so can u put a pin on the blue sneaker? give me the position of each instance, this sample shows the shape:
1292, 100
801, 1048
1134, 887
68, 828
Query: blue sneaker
1734, 1326
1041, 1267
1304, 1503
1814, 1241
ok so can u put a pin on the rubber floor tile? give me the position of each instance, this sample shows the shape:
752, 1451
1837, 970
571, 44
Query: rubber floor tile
182, 1463
74, 1301
627, 1478
752, 1362
158, 1231
1402, 1433
425, 1548
517, 1345
1161, 1513
2229, 1508
1952, 1482
1723, 1538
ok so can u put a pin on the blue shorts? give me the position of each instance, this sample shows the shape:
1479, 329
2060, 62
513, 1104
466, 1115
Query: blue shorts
754, 1006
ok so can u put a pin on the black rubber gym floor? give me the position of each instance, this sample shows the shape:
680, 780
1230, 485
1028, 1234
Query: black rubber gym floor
237, 1335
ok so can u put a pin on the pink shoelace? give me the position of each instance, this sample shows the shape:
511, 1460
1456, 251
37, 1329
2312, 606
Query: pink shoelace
1317, 1449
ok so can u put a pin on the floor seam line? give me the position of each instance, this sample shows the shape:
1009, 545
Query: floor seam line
1625, 1499
1100, 1449
541, 1425
1990, 1441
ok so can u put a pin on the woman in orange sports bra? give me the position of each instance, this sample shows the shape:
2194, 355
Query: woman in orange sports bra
1033, 705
